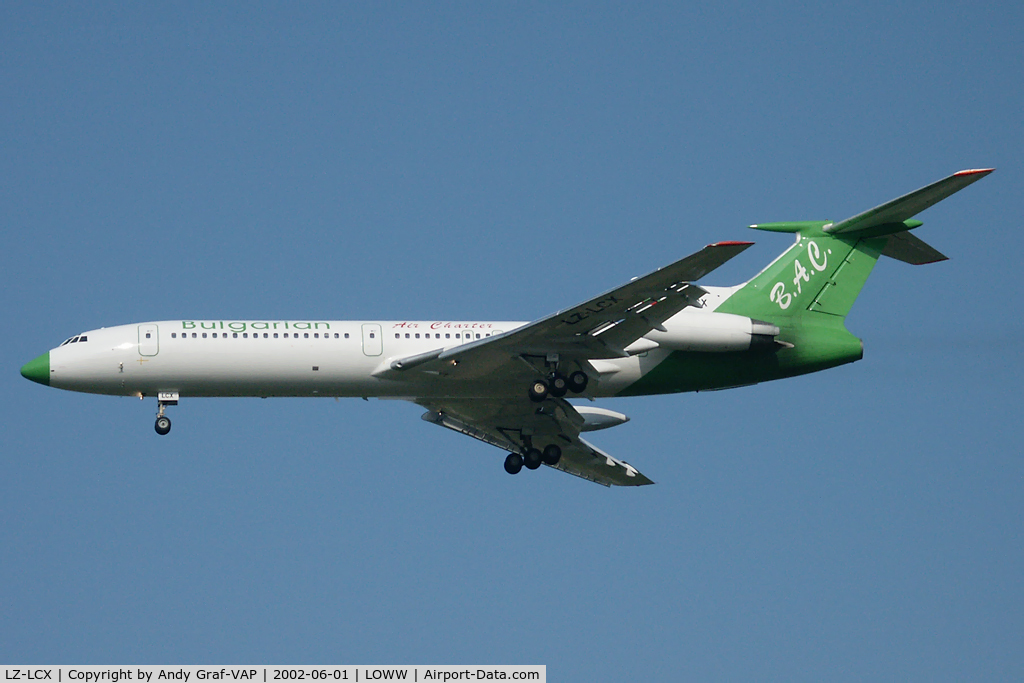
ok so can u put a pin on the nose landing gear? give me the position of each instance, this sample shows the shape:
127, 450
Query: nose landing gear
163, 425
164, 399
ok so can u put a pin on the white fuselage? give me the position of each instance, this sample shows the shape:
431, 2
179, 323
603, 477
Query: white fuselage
285, 358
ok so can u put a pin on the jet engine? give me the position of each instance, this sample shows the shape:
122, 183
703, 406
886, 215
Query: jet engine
693, 329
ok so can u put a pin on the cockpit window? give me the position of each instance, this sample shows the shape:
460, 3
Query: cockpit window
72, 340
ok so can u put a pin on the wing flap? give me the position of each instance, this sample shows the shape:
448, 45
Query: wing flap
587, 461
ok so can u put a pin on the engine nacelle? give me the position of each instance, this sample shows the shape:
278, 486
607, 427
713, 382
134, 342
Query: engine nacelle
595, 418
694, 329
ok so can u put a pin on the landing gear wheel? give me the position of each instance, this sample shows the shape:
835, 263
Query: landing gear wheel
163, 425
539, 391
513, 463
578, 381
558, 385
532, 459
552, 454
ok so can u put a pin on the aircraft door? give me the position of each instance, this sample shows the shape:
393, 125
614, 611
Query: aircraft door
373, 340
149, 342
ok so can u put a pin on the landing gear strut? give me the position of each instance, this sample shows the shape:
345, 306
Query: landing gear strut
163, 423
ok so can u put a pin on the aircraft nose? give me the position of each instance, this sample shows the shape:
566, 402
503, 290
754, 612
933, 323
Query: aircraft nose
38, 370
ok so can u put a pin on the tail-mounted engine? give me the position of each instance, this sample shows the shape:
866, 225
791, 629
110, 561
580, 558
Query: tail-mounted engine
696, 330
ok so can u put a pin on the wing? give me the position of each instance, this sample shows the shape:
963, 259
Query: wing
517, 424
599, 328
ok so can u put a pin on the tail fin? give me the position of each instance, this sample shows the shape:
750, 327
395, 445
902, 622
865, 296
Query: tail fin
824, 271
819, 273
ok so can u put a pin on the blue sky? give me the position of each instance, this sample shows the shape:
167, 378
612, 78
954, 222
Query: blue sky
493, 161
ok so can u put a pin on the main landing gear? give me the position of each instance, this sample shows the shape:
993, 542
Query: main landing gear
558, 385
532, 458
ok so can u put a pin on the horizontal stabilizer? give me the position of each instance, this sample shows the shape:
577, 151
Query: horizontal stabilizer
907, 206
903, 246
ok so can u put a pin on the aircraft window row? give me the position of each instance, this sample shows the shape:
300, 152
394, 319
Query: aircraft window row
256, 335
75, 340
437, 335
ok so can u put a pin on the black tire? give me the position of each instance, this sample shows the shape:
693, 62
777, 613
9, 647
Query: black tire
559, 385
163, 425
532, 459
513, 463
552, 454
578, 381
539, 391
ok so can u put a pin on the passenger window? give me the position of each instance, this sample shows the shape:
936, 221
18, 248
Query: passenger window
417, 335
316, 335
266, 335
148, 335
275, 335
346, 335
306, 335
204, 335
397, 336
193, 335
245, 335
406, 335
373, 336
174, 335
235, 335
214, 335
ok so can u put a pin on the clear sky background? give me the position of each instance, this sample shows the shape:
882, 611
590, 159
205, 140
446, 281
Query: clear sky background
501, 161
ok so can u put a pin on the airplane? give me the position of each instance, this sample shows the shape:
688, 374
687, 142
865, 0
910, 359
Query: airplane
505, 383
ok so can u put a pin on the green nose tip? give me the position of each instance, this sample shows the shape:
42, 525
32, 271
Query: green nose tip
38, 370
